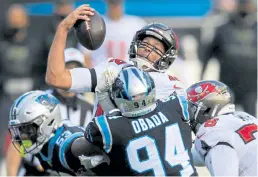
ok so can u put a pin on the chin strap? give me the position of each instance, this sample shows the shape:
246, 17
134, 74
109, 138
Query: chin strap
145, 65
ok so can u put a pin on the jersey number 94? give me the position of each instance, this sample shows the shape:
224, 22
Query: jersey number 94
175, 153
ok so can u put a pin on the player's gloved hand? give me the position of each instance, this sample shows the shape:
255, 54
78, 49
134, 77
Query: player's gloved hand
107, 79
90, 162
81, 13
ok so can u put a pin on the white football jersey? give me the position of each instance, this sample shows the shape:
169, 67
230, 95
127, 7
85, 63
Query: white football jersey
237, 130
82, 81
119, 35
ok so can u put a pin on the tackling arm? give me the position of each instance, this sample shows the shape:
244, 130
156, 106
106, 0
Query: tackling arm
90, 155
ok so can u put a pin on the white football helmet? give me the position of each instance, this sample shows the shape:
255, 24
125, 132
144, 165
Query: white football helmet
33, 119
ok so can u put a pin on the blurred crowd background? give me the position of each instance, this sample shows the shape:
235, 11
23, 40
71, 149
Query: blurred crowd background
217, 38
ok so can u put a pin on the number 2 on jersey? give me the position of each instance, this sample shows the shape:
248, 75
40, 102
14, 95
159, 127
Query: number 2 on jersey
247, 132
175, 153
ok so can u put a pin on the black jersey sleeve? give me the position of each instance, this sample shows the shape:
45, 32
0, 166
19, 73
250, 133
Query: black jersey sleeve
180, 103
66, 157
99, 134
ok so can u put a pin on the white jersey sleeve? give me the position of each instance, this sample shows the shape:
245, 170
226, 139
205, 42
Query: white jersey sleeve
198, 159
167, 84
222, 161
82, 80
86, 80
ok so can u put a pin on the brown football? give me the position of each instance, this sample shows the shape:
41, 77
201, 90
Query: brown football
91, 34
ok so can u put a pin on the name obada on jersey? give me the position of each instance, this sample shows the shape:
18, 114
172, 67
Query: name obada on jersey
145, 124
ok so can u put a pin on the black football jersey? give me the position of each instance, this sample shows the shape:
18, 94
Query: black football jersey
56, 155
156, 144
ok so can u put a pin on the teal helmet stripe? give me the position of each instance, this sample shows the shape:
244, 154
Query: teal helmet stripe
21, 98
126, 83
147, 85
11, 112
136, 73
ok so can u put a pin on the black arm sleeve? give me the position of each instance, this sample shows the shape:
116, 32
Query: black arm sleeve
93, 79
82, 147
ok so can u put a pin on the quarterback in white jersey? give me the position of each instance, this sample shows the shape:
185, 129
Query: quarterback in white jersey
153, 49
165, 84
225, 140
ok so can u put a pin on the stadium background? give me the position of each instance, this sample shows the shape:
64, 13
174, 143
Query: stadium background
184, 16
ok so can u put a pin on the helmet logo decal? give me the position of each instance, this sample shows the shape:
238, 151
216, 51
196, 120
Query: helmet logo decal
201, 91
48, 101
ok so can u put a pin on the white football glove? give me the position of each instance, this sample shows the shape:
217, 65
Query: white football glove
104, 87
107, 79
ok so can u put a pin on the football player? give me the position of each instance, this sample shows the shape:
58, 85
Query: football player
226, 140
151, 137
36, 127
154, 48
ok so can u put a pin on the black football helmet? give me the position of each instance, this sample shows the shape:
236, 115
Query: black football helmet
208, 99
163, 33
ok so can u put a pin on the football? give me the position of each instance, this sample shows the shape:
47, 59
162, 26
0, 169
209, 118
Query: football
91, 34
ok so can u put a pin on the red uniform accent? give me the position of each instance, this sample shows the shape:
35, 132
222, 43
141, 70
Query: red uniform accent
246, 132
200, 92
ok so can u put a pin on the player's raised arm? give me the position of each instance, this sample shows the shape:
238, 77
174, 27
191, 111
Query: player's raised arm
57, 75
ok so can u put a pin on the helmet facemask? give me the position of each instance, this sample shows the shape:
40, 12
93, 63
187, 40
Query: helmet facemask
160, 64
33, 119
26, 137
166, 36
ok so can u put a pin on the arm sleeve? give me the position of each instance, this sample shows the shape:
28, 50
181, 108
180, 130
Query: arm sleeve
83, 147
66, 157
184, 108
98, 133
93, 134
222, 160
91, 156
86, 80
198, 159
83, 80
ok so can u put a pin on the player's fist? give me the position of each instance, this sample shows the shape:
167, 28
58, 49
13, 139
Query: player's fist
107, 79
81, 13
